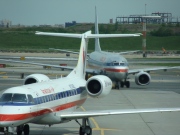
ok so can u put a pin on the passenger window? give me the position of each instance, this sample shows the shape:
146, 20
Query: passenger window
72, 92
62, 95
65, 94
75, 92
47, 98
19, 98
59, 94
57, 97
52, 97
44, 98
7, 97
30, 99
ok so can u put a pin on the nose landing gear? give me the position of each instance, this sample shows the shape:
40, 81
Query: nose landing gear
121, 84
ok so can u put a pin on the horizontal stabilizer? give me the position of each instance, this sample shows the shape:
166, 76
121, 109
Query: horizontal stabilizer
59, 34
111, 35
87, 35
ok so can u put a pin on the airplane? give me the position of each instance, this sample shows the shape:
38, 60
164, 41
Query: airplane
47, 102
113, 65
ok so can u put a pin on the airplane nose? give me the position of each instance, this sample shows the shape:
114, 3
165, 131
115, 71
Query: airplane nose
122, 74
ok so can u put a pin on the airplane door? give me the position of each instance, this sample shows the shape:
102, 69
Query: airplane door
38, 104
35, 101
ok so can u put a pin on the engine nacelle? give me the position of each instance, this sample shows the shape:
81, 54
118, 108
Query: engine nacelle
35, 78
98, 86
142, 78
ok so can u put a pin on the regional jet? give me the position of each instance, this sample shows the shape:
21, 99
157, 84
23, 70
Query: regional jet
48, 102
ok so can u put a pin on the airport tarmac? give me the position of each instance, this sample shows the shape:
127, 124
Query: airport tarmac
163, 91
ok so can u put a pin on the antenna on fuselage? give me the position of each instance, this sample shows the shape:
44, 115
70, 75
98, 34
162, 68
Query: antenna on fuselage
97, 43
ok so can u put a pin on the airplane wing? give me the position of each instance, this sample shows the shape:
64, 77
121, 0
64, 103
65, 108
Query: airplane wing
39, 58
91, 71
39, 64
127, 52
66, 51
133, 71
87, 114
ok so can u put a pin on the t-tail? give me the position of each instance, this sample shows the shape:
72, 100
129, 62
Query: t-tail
79, 70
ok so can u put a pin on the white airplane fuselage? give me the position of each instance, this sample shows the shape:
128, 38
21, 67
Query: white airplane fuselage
113, 65
57, 95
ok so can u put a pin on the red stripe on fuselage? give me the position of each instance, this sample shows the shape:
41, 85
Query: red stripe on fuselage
116, 70
15, 117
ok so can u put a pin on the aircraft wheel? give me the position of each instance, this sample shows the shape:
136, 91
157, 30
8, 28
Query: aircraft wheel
117, 85
81, 131
122, 84
127, 83
19, 130
87, 130
26, 129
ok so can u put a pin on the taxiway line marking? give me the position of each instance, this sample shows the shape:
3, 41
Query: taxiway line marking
97, 128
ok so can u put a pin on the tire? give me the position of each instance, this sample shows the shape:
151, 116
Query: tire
90, 130
26, 129
19, 130
81, 132
122, 84
127, 84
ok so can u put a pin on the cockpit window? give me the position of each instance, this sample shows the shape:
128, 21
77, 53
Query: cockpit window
19, 98
30, 99
121, 64
7, 97
116, 64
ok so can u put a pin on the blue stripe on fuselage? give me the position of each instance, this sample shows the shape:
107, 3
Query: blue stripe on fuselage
48, 98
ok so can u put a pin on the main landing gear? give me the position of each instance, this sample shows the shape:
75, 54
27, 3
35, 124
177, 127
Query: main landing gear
121, 84
22, 128
85, 128
19, 130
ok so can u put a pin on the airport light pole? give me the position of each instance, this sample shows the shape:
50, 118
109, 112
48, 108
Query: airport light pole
144, 18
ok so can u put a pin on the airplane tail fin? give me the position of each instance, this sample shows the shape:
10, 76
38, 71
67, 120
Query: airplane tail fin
80, 69
97, 43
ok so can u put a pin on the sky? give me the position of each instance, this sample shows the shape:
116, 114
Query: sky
50, 12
